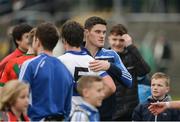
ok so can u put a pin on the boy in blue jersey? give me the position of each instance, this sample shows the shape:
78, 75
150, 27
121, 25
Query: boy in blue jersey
107, 60
91, 88
77, 60
51, 84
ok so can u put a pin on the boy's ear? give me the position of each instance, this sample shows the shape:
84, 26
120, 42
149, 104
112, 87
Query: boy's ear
85, 92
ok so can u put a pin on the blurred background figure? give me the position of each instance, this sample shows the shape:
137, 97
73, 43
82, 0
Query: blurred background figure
162, 53
146, 49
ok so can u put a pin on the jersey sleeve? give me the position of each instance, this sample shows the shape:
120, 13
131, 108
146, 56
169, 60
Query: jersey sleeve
120, 71
6, 73
102, 73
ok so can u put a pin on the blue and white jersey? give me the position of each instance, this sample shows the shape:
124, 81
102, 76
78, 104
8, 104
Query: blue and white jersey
51, 86
114, 59
78, 64
85, 112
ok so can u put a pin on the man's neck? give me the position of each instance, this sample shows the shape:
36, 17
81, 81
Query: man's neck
69, 48
22, 50
46, 52
30, 51
92, 49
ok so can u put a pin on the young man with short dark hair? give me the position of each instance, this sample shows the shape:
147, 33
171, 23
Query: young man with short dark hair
20, 38
107, 60
77, 60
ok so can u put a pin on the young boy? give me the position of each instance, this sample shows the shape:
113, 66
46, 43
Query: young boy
106, 60
91, 89
159, 89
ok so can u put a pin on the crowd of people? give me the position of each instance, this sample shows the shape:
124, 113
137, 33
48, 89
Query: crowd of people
87, 83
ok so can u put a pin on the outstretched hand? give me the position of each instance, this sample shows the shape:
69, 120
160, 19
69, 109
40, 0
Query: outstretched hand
157, 108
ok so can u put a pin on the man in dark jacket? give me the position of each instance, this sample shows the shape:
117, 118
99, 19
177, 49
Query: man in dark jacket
159, 88
126, 99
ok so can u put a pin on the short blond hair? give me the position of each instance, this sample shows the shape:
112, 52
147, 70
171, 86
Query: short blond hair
10, 93
160, 75
86, 82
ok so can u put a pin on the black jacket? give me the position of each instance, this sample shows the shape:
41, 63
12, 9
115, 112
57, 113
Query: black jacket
127, 99
141, 112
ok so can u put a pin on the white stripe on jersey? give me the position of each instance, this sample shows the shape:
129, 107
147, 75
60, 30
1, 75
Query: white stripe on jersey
24, 67
79, 117
37, 68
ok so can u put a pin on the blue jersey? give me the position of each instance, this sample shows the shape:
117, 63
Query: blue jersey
117, 69
51, 86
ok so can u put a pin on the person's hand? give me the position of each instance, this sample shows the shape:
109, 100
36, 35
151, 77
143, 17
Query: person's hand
99, 65
157, 108
128, 39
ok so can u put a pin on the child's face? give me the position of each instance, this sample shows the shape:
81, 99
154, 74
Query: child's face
22, 100
159, 88
95, 94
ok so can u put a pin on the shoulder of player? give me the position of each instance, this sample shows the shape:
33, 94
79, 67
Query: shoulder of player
108, 50
33, 60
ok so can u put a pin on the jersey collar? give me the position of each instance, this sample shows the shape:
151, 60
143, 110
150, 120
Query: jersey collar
82, 52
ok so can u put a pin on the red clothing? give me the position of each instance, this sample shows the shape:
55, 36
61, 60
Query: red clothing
10, 117
12, 68
14, 54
